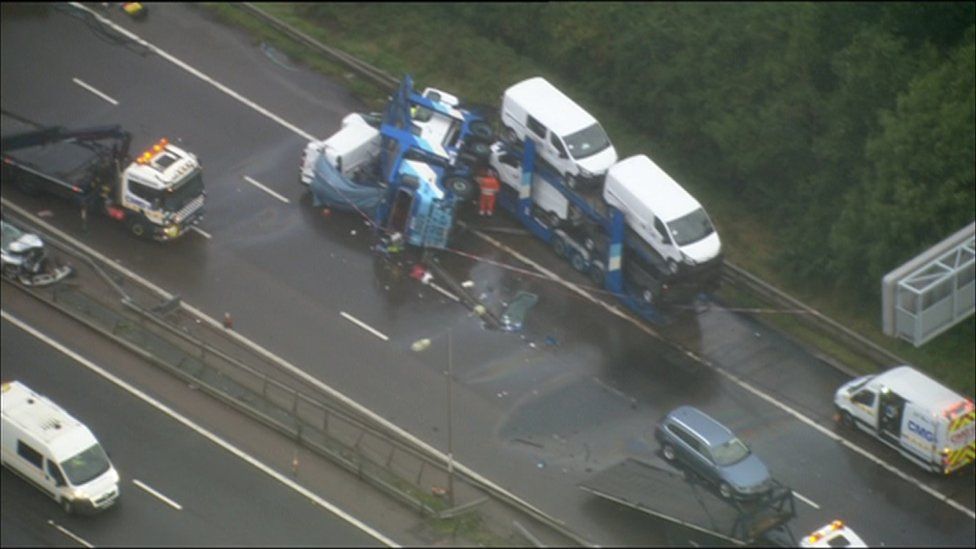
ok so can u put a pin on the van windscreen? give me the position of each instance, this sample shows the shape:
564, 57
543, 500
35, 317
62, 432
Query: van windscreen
587, 141
691, 228
86, 466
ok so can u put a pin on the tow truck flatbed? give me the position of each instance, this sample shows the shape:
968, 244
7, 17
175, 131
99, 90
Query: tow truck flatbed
667, 494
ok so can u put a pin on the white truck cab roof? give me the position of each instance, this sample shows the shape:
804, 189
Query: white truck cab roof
162, 165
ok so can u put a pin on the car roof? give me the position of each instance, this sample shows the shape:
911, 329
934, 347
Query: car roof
702, 424
551, 106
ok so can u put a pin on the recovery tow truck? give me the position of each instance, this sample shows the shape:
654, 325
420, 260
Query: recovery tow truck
160, 194
688, 503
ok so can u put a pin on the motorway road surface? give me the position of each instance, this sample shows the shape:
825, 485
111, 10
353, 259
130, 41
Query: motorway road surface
536, 412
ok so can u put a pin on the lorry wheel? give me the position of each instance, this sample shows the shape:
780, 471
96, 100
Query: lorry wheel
725, 490
559, 246
579, 263
481, 130
67, 506
668, 452
462, 187
137, 228
479, 150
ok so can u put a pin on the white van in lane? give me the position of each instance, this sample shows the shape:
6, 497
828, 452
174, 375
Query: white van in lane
927, 422
54, 451
662, 212
566, 136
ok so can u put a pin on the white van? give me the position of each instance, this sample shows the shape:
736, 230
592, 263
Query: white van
551, 202
350, 149
927, 422
566, 136
662, 212
54, 451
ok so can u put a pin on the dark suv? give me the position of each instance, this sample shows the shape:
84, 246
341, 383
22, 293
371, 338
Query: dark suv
711, 450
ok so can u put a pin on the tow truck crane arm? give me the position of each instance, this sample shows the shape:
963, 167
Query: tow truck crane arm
57, 134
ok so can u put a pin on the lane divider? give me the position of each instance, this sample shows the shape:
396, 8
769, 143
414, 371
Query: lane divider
92, 89
161, 497
363, 325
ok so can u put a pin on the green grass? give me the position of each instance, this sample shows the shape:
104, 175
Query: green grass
464, 61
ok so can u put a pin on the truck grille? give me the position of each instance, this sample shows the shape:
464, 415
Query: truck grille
193, 206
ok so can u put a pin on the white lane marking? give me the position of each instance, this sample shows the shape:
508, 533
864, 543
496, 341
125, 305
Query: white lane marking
197, 73
284, 364
363, 325
92, 89
163, 498
200, 430
200, 231
266, 189
738, 381
433, 451
70, 534
805, 500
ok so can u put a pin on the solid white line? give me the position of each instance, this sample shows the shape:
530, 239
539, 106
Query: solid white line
197, 73
267, 190
200, 430
805, 500
363, 325
70, 534
201, 231
737, 380
433, 451
164, 499
92, 89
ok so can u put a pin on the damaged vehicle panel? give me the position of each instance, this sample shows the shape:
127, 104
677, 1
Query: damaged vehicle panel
24, 258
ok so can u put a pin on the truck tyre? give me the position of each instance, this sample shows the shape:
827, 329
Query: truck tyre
578, 262
481, 131
67, 506
559, 246
462, 187
725, 490
668, 452
480, 150
138, 228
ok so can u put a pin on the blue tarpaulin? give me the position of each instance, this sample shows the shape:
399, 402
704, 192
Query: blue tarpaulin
330, 188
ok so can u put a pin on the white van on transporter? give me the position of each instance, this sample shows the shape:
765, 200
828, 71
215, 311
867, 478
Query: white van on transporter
55, 452
662, 213
924, 420
566, 136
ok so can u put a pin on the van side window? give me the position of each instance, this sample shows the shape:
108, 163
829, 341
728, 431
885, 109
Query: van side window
30, 454
558, 144
52, 469
659, 227
536, 127
864, 397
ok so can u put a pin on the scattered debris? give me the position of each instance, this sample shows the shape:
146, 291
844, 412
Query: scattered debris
420, 344
45, 213
551, 341
467, 284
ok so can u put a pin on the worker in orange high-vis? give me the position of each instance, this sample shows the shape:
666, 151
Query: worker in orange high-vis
490, 185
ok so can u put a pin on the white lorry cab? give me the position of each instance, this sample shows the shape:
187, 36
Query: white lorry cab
662, 212
566, 136
351, 149
55, 452
927, 422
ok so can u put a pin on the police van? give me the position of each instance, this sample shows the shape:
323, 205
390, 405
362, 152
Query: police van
55, 452
927, 422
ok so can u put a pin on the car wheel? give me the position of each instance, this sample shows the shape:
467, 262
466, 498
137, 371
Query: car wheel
596, 275
668, 452
672, 266
847, 420
67, 506
725, 490
578, 262
559, 246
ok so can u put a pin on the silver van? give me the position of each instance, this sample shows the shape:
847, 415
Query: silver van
567, 137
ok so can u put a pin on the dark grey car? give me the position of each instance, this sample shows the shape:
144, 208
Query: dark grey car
711, 450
